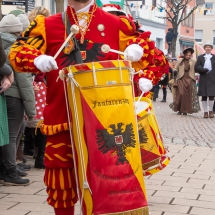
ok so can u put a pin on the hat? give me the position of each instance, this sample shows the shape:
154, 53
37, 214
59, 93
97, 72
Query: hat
10, 24
208, 43
188, 49
16, 12
114, 8
24, 20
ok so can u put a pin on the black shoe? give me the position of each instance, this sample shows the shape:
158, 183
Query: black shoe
11, 178
179, 113
24, 166
24, 160
164, 100
21, 171
39, 163
185, 114
41, 143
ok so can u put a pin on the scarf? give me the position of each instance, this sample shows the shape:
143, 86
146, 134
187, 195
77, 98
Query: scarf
207, 64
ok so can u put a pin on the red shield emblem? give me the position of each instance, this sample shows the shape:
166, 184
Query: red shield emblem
84, 55
119, 139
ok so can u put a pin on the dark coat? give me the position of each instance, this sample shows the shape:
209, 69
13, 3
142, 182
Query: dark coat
2, 54
206, 81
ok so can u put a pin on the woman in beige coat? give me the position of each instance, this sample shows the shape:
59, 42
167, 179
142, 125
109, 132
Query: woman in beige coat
186, 94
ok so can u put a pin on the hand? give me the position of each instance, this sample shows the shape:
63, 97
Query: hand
134, 53
45, 63
205, 70
36, 88
5, 84
162, 78
145, 85
11, 78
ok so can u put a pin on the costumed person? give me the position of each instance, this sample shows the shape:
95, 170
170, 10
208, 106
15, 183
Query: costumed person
33, 133
169, 37
6, 79
173, 74
34, 53
186, 101
156, 63
205, 66
20, 99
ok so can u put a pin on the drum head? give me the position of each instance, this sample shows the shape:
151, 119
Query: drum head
141, 107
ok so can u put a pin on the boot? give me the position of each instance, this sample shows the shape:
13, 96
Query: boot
11, 178
205, 115
26, 167
164, 94
21, 171
41, 143
35, 152
211, 114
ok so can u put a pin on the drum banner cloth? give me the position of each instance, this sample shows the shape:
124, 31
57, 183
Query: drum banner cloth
115, 166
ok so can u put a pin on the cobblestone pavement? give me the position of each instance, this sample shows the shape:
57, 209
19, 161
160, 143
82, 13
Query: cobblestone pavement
185, 186
191, 130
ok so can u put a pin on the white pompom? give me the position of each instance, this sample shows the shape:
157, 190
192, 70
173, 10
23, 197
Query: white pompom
74, 29
105, 48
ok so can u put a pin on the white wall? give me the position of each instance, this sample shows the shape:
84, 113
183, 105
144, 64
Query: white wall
146, 13
156, 33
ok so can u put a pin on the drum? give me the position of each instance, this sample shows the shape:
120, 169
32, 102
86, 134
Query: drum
153, 152
105, 135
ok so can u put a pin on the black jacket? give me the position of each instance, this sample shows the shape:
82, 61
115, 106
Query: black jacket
2, 54
5, 70
206, 80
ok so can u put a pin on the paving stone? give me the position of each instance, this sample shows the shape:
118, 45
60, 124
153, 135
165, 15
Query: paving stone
25, 198
202, 211
14, 212
193, 203
33, 207
182, 195
170, 208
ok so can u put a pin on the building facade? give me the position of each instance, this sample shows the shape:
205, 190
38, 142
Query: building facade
205, 23
186, 31
147, 14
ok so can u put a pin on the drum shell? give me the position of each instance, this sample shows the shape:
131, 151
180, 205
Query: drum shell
153, 152
77, 97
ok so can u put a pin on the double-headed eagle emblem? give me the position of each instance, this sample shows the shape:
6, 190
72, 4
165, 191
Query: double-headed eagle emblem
117, 140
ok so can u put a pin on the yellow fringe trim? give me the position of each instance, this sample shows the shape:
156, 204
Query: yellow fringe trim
52, 129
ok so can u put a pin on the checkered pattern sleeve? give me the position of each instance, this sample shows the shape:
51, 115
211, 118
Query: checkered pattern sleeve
29, 46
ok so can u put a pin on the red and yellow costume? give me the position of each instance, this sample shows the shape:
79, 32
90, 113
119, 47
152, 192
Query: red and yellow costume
45, 36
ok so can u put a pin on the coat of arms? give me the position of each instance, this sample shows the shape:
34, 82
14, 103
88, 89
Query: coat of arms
117, 140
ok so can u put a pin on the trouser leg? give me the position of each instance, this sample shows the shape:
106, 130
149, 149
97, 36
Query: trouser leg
15, 111
164, 93
59, 173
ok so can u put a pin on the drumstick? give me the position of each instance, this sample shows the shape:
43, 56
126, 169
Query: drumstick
74, 30
106, 48
136, 103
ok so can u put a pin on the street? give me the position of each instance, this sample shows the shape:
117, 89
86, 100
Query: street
185, 186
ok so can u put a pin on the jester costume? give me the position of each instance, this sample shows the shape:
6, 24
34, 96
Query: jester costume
45, 36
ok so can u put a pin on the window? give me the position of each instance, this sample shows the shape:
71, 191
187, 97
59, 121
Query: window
208, 8
189, 21
52, 6
214, 38
198, 35
154, 3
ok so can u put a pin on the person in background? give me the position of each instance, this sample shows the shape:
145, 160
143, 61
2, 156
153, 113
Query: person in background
20, 98
205, 66
38, 11
37, 138
6, 79
186, 101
